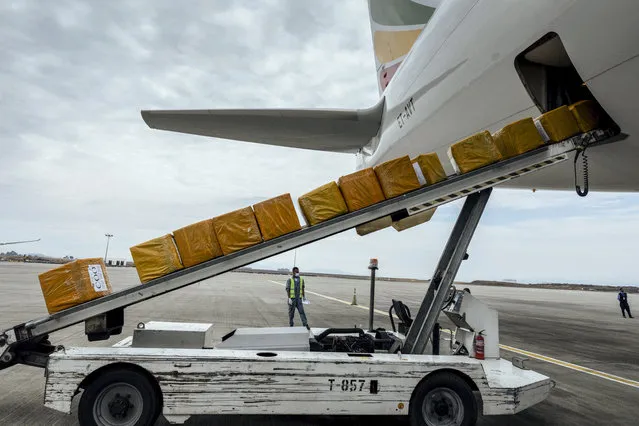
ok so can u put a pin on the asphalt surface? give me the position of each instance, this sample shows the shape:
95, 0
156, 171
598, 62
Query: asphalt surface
583, 328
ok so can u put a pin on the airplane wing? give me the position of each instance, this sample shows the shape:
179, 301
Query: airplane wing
315, 129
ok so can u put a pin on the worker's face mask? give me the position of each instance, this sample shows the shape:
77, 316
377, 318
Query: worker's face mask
297, 274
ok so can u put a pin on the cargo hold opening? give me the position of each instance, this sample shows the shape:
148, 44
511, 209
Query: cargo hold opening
550, 77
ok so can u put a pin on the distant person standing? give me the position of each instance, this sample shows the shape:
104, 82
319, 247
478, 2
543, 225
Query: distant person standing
622, 297
295, 293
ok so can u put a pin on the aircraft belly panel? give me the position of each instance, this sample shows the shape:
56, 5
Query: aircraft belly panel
599, 34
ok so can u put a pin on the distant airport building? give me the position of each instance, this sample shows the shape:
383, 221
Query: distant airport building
116, 262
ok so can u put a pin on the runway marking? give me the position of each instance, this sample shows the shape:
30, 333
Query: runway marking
601, 374
550, 360
377, 311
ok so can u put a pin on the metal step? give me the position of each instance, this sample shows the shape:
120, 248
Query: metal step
453, 188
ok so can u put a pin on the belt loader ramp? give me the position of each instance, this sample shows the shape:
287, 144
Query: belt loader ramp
346, 371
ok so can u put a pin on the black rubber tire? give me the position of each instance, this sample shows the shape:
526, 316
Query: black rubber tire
151, 399
452, 382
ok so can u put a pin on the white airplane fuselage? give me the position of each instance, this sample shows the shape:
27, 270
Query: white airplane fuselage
460, 78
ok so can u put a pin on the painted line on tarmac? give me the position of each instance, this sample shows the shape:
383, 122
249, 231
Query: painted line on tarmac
377, 311
586, 370
601, 374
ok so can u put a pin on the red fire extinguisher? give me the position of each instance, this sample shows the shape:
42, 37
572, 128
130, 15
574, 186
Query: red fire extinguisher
479, 345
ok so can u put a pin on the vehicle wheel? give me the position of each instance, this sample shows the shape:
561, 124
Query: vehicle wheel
122, 397
444, 399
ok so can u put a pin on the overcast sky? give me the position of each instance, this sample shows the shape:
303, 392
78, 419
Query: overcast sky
77, 160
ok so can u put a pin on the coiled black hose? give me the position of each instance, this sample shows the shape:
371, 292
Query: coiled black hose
582, 150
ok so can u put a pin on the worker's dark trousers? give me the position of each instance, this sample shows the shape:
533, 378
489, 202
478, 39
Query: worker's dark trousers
296, 303
625, 307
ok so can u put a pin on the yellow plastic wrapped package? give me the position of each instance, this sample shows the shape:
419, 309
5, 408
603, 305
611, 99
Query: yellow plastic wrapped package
237, 230
414, 220
428, 168
276, 217
558, 124
322, 204
587, 113
156, 258
374, 226
474, 152
74, 283
361, 189
197, 243
397, 176
518, 138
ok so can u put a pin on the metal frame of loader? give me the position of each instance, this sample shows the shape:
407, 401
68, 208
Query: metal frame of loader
28, 343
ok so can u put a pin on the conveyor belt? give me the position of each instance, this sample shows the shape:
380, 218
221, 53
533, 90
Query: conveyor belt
453, 188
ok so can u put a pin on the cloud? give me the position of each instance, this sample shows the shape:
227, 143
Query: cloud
77, 160
582, 245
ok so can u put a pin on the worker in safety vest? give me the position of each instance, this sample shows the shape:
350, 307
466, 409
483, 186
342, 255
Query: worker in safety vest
295, 293
622, 297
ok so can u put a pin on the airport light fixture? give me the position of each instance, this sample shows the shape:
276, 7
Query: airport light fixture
373, 266
109, 236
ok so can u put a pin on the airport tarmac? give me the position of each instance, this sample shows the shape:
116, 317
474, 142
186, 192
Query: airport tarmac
594, 352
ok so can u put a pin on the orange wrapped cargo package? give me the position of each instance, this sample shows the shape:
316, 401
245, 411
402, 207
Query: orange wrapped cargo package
237, 230
474, 152
74, 283
276, 217
156, 258
587, 113
414, 220
197, 243
518, 138
428, 168
361, 189
374, 226
322, 204
558, 124
397, 176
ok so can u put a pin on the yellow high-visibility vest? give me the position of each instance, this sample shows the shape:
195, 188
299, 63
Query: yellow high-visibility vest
291, 292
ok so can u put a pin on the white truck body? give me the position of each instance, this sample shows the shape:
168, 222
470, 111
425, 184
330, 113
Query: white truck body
218, 381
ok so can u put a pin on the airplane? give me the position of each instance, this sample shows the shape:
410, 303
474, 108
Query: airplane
19, 242
447, 69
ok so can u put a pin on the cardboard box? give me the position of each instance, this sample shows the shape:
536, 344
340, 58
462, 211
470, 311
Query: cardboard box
474, 152
414, 220
156, 258
197, 243
361, 189
558, 124
276, 217
322, 204
518, 138
374, 226
237, 230
397, 176
588, 115
428, 168
74, 283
